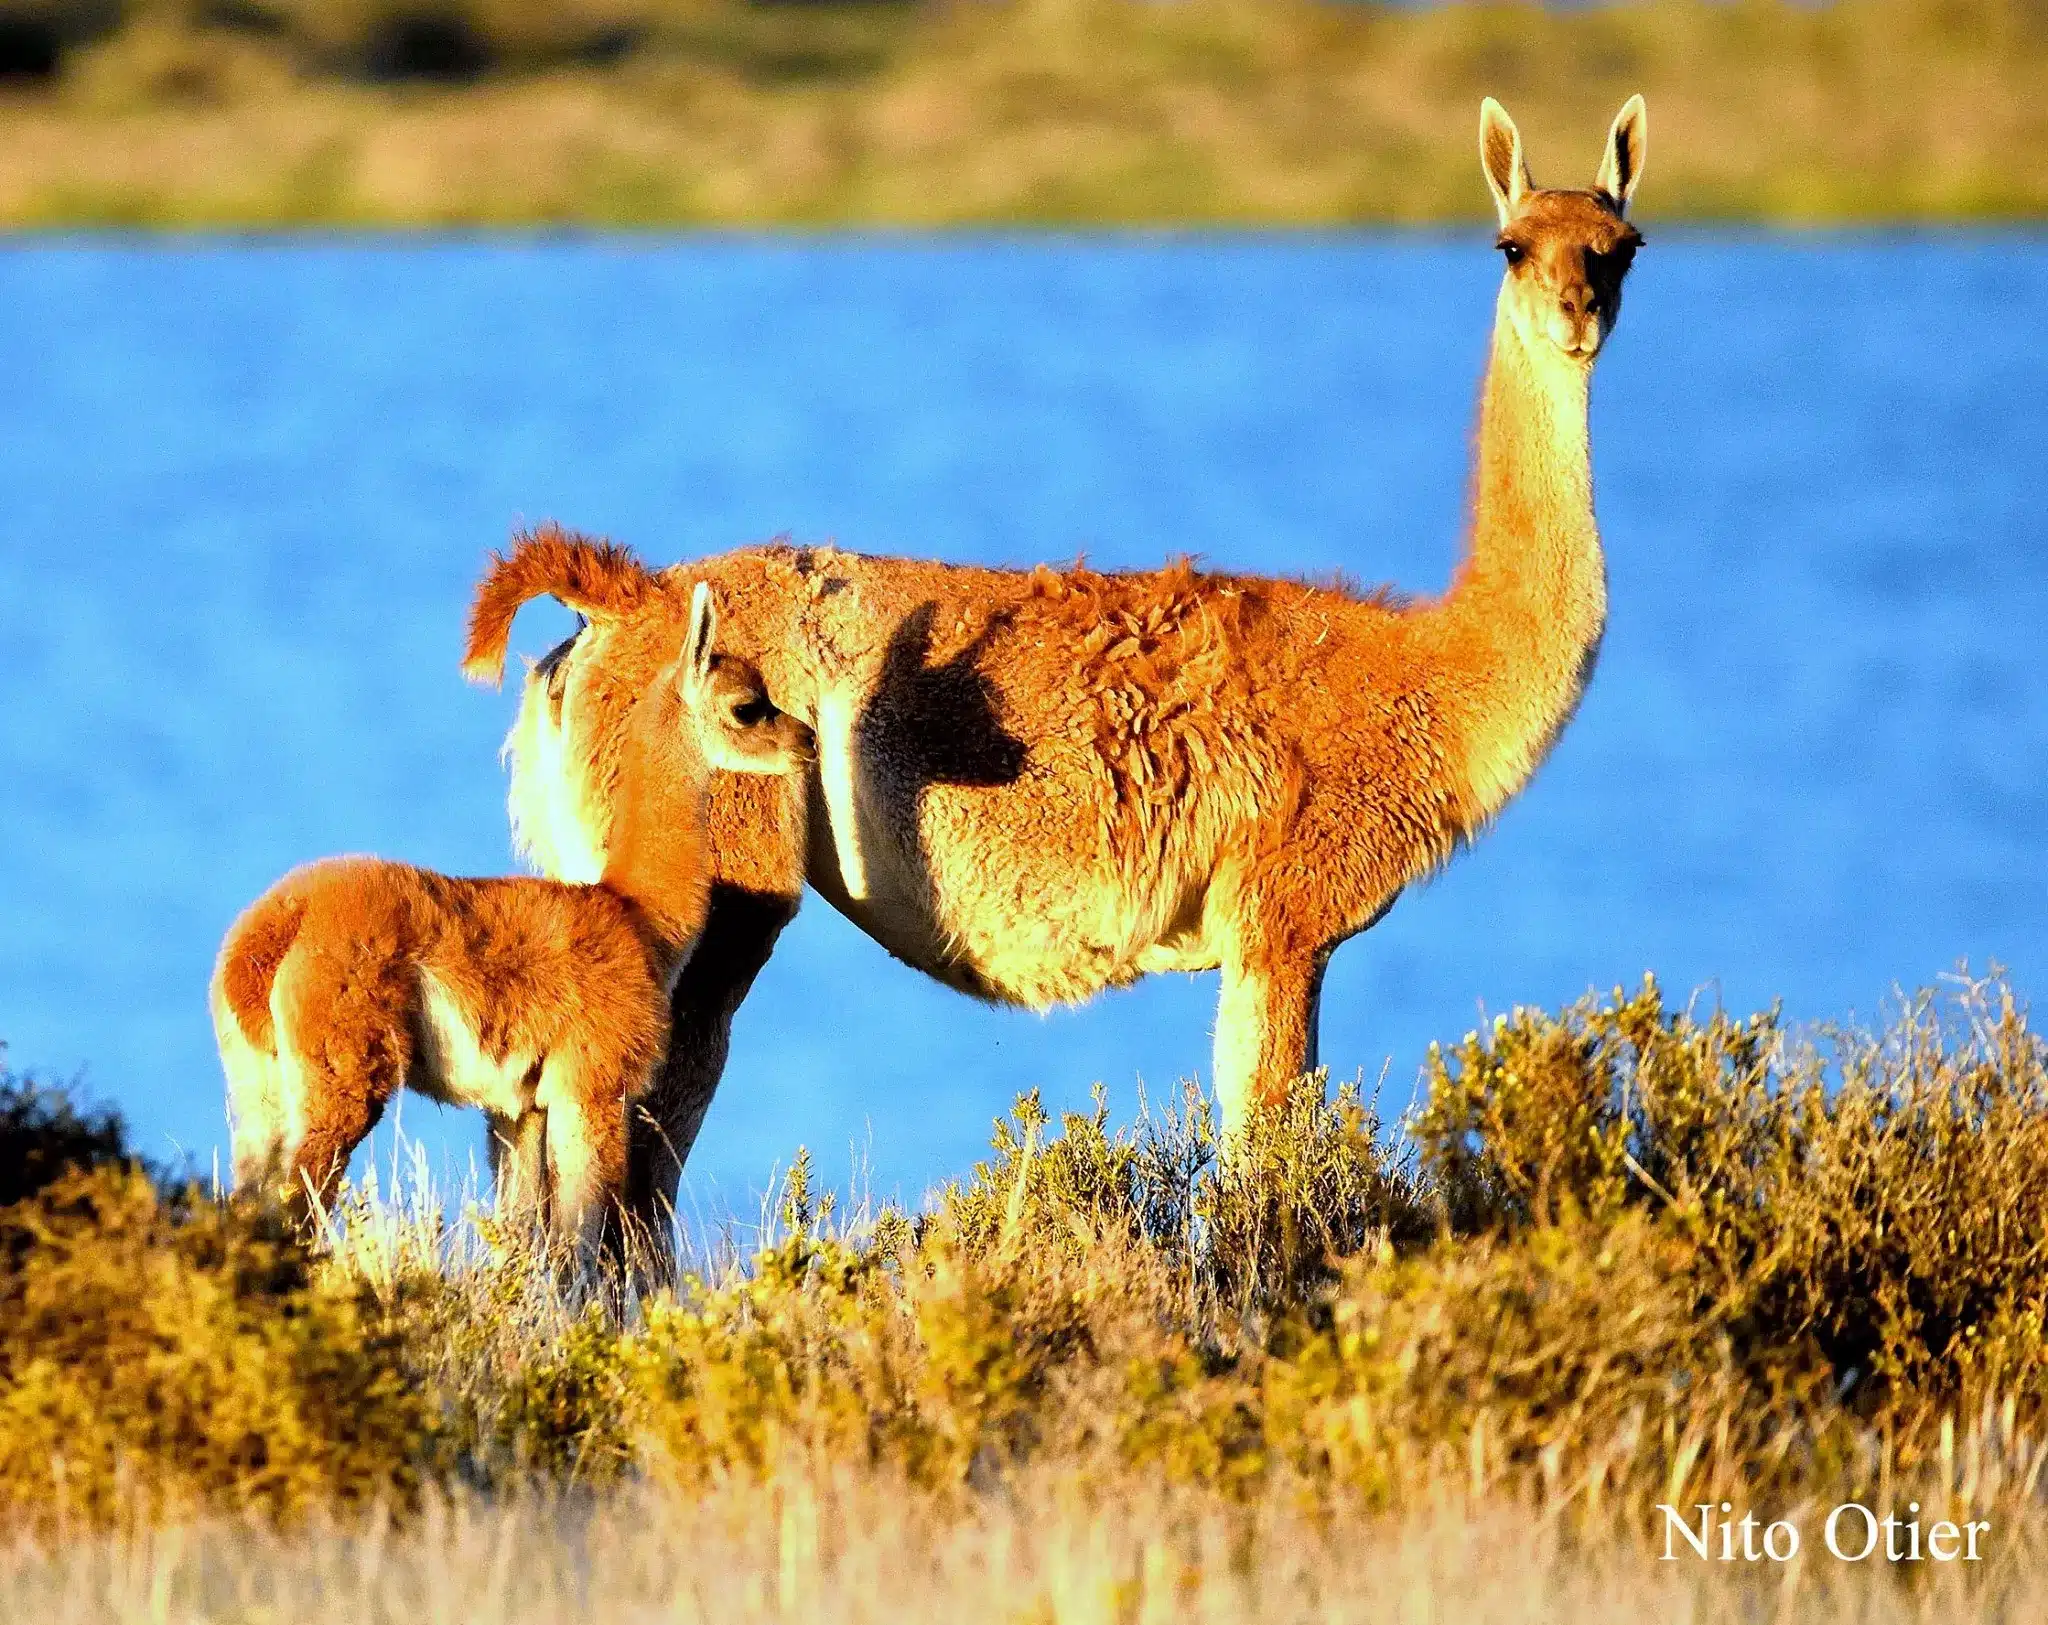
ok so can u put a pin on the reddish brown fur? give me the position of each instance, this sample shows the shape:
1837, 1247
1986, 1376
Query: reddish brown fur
256, 946
537, 969
593, 577
1034, 785
544, 1002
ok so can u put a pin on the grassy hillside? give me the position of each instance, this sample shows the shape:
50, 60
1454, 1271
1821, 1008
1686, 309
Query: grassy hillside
653, 112
1624, 1256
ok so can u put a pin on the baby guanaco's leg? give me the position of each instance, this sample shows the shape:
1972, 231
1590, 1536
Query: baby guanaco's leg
519, 1162
344, 1045
584, 1098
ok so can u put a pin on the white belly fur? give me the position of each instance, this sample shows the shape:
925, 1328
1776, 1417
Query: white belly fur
452, 1067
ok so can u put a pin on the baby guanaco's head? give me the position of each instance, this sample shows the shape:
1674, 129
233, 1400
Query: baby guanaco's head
738, 727
582, 702
1567, 251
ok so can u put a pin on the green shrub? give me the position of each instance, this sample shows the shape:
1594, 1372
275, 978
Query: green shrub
1571, 1358
1881, 1199
1313, 1183
165, 1353
172, 1355
1628, 1253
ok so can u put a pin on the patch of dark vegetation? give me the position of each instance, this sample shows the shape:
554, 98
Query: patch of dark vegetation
246, 16
445, 43
438, 46
31, 49
36, 36
45, 1133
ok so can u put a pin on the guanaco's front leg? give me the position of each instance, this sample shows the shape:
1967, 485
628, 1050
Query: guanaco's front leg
1265, 1030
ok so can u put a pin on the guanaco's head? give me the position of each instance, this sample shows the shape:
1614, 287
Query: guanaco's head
738, 726
1567, 251
581, 704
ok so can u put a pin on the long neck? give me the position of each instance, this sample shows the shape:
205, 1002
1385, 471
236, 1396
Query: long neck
657, 858
1519, 629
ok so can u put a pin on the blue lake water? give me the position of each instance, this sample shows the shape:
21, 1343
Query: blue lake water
245, 488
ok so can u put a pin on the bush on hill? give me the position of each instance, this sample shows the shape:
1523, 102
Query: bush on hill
1628, 1253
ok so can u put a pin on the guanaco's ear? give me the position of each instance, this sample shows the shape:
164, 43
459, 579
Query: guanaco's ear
698, 642
1621, 166
1500, 155
596, 579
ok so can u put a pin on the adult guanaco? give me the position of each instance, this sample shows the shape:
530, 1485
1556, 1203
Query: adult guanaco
1034, 785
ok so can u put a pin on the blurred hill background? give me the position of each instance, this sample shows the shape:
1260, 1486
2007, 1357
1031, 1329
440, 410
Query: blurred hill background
1053, 112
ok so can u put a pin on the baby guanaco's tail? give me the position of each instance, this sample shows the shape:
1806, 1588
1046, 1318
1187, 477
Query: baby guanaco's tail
249, 959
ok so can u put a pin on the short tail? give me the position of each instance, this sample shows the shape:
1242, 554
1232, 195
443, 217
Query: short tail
249, 959
598, 579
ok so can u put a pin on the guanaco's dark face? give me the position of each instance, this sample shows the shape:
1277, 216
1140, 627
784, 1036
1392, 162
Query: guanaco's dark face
551, 671
1567, 253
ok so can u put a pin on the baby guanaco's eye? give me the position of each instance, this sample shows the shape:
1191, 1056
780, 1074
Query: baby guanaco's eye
1512, 250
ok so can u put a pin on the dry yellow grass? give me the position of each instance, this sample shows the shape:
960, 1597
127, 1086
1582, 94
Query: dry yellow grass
848, 1548
1044, 111
1628, 1255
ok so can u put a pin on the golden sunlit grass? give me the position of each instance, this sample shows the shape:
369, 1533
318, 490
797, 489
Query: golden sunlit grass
846, 1545
645, 112
1621, 1256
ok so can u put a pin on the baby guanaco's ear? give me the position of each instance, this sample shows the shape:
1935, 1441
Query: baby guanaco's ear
700, 641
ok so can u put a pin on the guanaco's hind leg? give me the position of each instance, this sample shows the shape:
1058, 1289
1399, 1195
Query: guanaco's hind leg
339, 1120
1272, 998
262, 1115
343, 1045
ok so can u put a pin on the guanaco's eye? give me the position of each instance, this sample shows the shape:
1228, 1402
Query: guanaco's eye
1513, 251
751, 713
1612, 265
